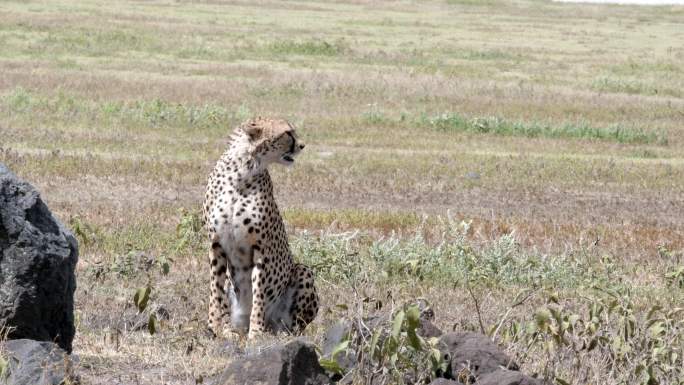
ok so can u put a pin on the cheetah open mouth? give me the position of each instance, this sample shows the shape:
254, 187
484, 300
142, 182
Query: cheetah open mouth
288, 158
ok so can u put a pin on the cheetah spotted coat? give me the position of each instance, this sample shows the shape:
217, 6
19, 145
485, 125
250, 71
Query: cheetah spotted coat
254, 282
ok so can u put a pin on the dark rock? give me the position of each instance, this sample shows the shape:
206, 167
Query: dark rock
335, 335
473, 355
507, 377
162, 314
444, 381
295, 363
426, 312
338, 333
373, 322
37, 261
428, 330
37, 363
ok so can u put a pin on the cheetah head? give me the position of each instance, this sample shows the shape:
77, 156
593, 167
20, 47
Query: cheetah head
273, 140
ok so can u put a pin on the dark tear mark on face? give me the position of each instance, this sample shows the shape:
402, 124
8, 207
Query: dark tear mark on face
292, 146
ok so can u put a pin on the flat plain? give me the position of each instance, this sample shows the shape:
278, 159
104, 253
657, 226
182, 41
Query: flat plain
522, 147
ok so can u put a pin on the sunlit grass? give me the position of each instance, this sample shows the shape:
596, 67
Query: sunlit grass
507, 147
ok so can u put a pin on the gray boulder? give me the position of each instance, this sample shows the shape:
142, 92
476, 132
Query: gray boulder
444, 381
427, 329
507, 377
335, 335
474, 354
338, 333
295, 363
37, 261
37, 363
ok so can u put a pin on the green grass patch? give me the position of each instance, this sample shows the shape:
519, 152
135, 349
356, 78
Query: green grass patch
632, 86
454, 122
97, 43
160, 113
452, 259
639, 68
77, 166
307, 47
484, 54
156, 112
353, 218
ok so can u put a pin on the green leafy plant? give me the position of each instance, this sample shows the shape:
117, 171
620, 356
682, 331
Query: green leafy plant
355, 260
393, 351
188, 230
637, 347
404, 351
331, 364
675, 278
86, 233
142, 297
127, 264
141, 300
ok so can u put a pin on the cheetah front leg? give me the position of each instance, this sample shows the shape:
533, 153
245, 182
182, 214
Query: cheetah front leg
219, 307
257, 318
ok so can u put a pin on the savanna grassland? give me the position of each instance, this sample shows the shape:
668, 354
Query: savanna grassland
519, 164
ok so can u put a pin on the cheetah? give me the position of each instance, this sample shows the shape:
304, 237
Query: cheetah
254, 282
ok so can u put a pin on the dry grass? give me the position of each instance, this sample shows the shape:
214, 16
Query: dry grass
117, 111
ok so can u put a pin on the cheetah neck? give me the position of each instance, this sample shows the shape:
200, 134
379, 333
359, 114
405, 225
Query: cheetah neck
240, 163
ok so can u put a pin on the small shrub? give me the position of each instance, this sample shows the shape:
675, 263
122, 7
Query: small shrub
19, 100
394, 352
351, 259
374, 116
141, 300
86, 233
632, 346
675, 278
188, 231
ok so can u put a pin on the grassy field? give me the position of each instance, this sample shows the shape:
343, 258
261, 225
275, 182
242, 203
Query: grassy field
513, 146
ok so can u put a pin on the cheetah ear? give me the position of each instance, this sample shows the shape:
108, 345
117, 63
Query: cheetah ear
253, 130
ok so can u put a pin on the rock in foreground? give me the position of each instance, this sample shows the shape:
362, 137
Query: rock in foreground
444, 381
473, 353
475, 359
37, 261
37, 363
469, 358
507, 377
295, 363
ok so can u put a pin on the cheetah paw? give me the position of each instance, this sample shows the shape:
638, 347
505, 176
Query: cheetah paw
230, 334
254, 334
